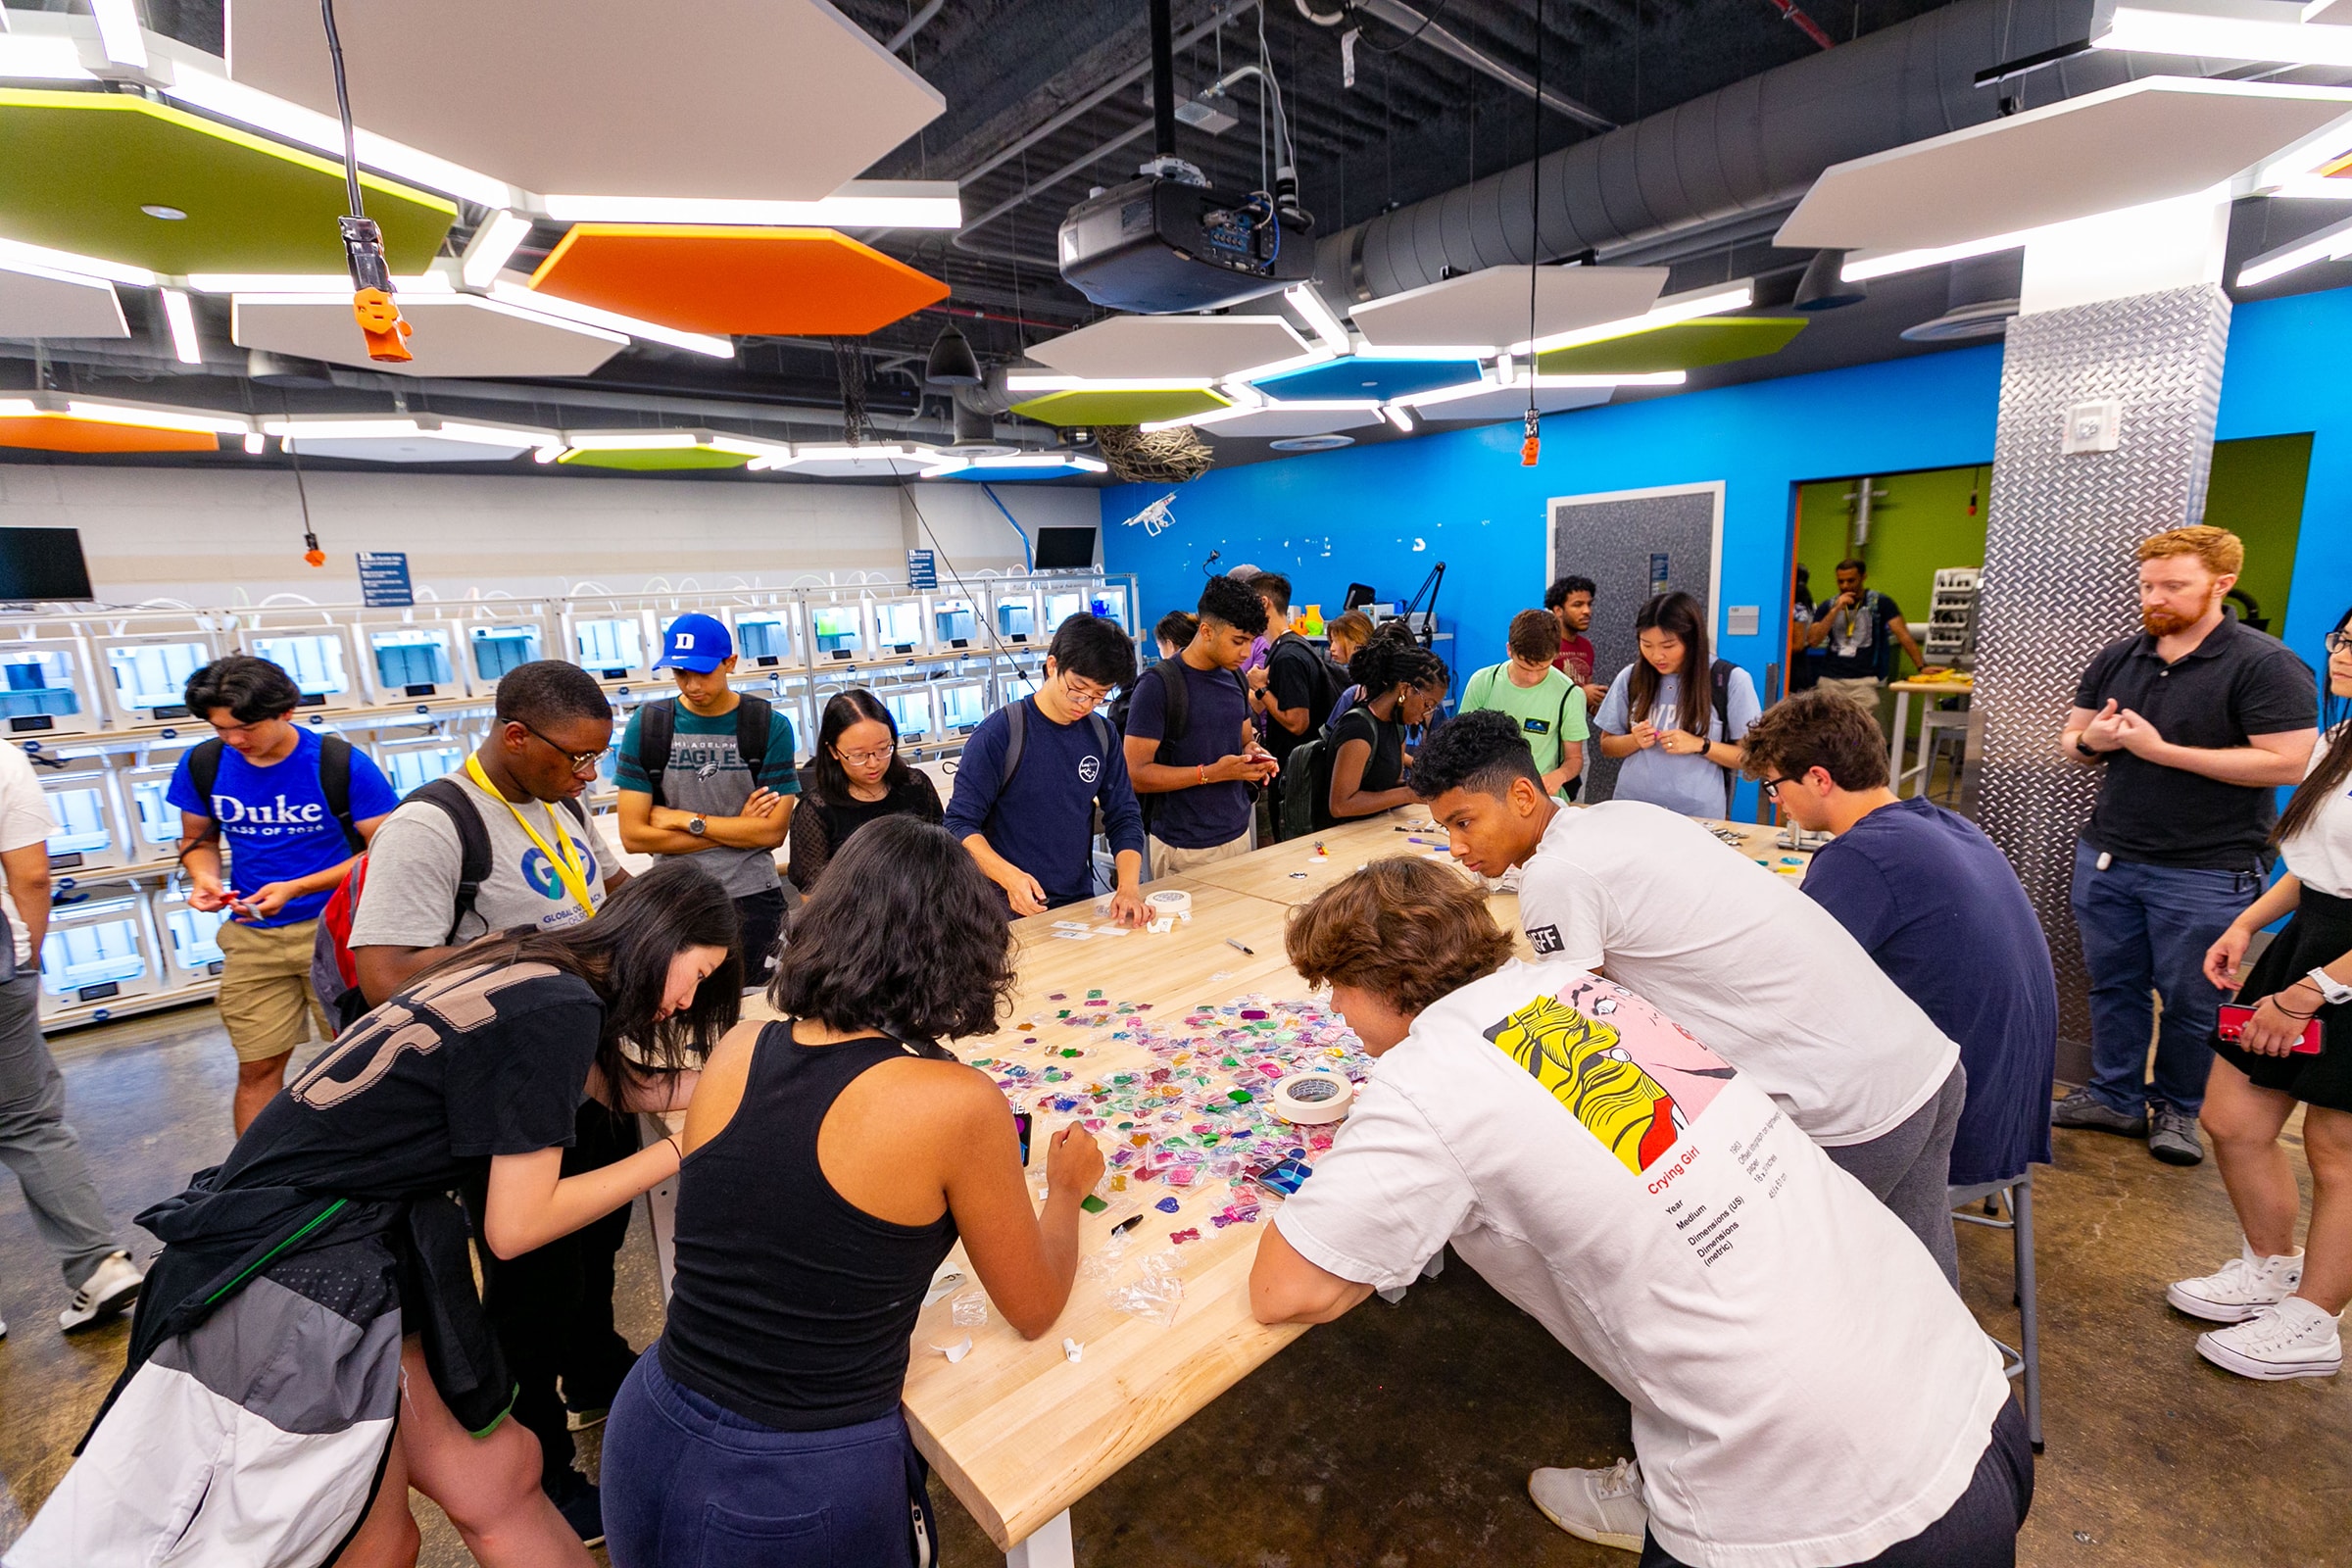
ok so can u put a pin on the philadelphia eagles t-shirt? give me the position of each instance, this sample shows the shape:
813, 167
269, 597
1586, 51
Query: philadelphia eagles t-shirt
1806, 1388
706, 774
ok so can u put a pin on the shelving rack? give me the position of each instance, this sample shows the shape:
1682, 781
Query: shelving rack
779, 660
1951, 637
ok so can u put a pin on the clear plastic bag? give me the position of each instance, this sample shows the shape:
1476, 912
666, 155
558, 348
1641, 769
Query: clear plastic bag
1157, 1290
970, 1310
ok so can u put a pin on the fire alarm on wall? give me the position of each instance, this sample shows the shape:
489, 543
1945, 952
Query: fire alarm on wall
2093, 426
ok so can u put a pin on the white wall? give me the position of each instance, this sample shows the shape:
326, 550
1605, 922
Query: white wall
235, 536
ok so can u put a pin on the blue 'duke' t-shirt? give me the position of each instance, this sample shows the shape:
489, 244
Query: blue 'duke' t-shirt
1938, 907
1044, 821
275, 819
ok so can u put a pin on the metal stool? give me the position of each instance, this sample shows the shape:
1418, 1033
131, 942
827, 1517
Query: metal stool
2017, 1195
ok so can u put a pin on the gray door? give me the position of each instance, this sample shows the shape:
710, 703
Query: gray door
1633, 544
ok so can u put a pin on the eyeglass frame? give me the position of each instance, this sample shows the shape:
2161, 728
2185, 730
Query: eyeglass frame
866, 758
583, 762
2335, 642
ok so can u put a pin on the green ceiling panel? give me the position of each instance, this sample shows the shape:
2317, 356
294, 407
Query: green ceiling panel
81, 165
1678, 346
1078, 406
647, 460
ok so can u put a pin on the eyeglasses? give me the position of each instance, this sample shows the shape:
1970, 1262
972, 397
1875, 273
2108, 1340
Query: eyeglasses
582, 762
2338, 641
1772, 786
1082, 698
868, 759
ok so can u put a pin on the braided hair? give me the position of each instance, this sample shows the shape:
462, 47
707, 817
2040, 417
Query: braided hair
1390, 661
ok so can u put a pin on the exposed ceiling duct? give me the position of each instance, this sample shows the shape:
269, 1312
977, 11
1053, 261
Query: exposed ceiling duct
1727, 165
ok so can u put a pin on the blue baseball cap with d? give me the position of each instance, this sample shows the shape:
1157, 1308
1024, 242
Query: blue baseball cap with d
699, 643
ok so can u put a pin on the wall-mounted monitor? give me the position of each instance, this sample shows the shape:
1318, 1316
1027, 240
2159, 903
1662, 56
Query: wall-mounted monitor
151, 675
1065, 549
37, 563
45, 690
409, 662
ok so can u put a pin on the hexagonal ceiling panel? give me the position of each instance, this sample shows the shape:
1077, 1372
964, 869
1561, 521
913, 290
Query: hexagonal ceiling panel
709, 278
654, 460
782, 100
1488, 310
1084, 407
1282, 419
1675, 346
422, 446
1171, 348
55, 305
110, 175
1347, 378
1510, 402
456, 334
62, 432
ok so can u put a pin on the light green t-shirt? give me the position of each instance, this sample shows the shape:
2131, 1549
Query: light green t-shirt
1550, 712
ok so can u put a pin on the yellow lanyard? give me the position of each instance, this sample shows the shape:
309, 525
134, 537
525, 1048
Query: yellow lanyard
568, 866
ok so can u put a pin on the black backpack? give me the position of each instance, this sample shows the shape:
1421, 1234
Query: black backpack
335, 781
658, 729
1016, 742
1329, 679
1719, 716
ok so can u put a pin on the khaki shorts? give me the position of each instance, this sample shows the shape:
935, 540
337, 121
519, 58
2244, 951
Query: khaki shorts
266, 995
1169, 861
1864, 692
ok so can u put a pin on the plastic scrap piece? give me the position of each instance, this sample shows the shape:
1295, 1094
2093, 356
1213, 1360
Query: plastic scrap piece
970, 1310
1191, 1233
1157, 1291
1092, 1204
1072, 1351
956, 1351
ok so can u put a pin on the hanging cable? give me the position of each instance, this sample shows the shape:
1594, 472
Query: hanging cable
372, 302
1531, 445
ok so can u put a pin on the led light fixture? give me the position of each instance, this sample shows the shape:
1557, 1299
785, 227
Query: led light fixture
1318, 316
1039, 381
181, 317
1862, 268
307, 283
234, 100
860, 204
1397, 417
2331, 244
331, 428
28, 258
2228, 29
492, 246
1674, 308
1209, 418
1558, 383
119, 32
515, 294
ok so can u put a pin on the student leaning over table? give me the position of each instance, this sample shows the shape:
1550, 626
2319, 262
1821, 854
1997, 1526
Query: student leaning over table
832, 1159
2284, 1301
1806, 1389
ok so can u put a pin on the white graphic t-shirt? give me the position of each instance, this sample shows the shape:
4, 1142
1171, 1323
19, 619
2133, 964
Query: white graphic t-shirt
1806, 1388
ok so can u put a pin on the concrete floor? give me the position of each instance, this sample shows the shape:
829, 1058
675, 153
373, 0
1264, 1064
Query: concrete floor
1403, 1435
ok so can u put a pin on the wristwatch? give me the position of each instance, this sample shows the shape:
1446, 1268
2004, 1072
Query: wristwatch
2088, 752
697, 827
2331, 990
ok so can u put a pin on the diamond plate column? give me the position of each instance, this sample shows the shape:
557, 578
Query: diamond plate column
2059, 576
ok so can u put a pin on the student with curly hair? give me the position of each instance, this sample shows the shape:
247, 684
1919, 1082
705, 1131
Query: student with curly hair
1402, 683
832, 1159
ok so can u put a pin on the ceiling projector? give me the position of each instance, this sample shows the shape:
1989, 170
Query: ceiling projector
1162, 243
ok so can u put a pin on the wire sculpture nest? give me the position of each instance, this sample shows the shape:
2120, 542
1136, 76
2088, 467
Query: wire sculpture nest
1153, 456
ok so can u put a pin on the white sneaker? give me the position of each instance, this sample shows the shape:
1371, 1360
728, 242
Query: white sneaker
2296, 1338
114, 1286
1599, 1505
2238, 1288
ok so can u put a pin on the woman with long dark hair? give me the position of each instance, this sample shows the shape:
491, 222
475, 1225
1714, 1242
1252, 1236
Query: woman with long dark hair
2282, 1301
1675, 716
1402, 683
857, 777
318, 1287
832, 1159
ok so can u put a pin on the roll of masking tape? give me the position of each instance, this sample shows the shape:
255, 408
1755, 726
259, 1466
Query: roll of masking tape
1311, 1099
1169, 904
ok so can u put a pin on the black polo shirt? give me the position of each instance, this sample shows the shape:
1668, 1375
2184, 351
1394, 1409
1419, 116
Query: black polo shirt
2237, 683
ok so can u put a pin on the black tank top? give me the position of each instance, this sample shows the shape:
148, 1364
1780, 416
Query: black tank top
791, 1306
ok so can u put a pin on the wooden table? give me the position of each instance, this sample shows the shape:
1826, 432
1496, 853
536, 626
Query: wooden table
1903, 689
1019, 1430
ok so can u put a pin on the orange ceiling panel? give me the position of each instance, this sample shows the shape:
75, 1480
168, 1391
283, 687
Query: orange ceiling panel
63, 432
811, 283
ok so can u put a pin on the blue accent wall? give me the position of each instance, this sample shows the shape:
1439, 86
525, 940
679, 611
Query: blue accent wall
1385, 514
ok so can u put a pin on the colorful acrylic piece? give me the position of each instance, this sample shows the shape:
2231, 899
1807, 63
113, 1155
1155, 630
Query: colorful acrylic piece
1167, 1205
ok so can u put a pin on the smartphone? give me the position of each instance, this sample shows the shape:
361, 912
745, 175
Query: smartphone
1284, 1178
1020, 1127
2235, 1018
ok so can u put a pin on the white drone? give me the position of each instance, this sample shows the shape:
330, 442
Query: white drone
1154, 516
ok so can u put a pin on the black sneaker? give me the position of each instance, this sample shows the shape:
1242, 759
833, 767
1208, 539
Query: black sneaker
582, 1506
2082, 1108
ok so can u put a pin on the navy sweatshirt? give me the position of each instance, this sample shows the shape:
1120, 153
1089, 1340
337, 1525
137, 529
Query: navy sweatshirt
1042, 821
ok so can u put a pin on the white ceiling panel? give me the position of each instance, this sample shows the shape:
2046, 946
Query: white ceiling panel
420, 448
1205, 348
2145, 141
777, 100
53, 305
1489, 309
456, 334
1281, 419
1510, 402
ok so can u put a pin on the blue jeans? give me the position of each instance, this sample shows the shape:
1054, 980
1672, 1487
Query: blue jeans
2146, 928
688, 1484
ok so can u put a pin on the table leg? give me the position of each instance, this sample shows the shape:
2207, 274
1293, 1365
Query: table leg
1894, 743
1049, 1548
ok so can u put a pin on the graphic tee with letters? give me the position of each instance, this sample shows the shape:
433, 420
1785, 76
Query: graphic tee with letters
1805, 1387
1741, 958
418, 1095
412, 873
275, 818
706, 775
